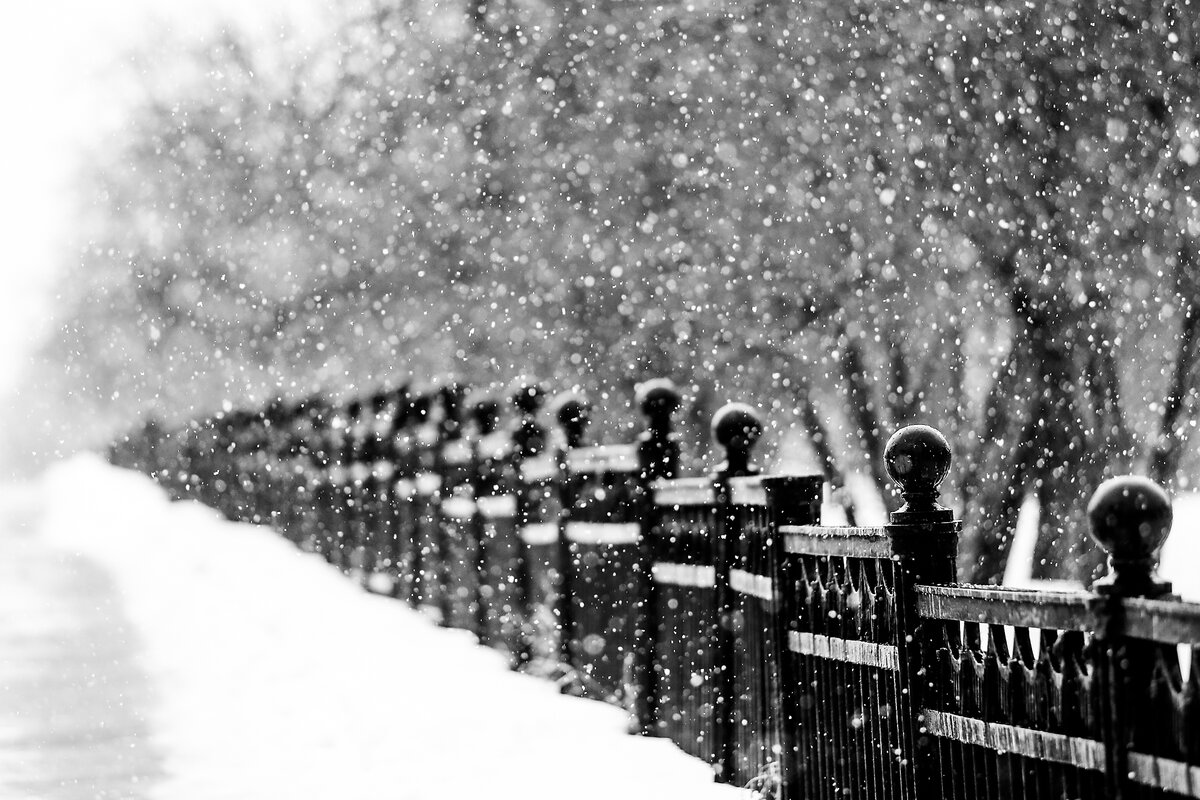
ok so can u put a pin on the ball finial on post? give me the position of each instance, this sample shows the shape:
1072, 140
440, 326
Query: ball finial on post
1130, 518
917, 458
528, 396
658, 449
737, 427
486, 413
451, 398
403, 398
422, 406
657, 397
572, 412
529, 437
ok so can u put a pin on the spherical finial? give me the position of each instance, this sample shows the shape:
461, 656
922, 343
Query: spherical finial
275, 409
657, 396
1131, 517
451, 395
736, 422
572, 412
737, 427
528, 395
421, 405
486, 413
917, 458
570, 407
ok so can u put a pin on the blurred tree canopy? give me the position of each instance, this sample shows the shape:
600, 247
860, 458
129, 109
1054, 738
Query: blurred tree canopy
859, 215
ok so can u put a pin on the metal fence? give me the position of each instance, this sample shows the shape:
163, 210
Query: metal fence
802, 660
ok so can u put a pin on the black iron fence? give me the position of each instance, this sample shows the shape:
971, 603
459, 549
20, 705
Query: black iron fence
806, 661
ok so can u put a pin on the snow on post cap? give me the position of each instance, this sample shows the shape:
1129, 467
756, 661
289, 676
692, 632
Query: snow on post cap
917, 458
657, 396
1130, 518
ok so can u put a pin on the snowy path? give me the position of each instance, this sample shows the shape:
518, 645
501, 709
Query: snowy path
67, 660
152, 650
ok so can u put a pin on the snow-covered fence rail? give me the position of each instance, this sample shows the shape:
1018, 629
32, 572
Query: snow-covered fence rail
806, 660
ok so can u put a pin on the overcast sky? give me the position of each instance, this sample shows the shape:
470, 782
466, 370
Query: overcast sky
61, 87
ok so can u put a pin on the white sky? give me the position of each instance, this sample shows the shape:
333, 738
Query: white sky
61, 88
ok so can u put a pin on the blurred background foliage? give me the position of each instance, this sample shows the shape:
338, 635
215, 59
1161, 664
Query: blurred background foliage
855, 215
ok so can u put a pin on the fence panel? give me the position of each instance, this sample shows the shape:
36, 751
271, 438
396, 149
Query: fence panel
535, 555
501, 619
602, 532
373, 532
1156, 667
686, 647
843, 662
1013, 706
459, 535
760, 744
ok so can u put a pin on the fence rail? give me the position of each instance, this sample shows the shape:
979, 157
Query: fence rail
803, 660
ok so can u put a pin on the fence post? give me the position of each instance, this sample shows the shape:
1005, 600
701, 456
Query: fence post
390, 495
427, 488
365, 541
488, 477
737, 428
320, 491
1130, 518
348, 494
405, 512
924, 538
452, 530
658, 457
572, 413
529, 442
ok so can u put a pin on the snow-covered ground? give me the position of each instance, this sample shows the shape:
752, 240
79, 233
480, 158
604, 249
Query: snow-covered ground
274, 677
